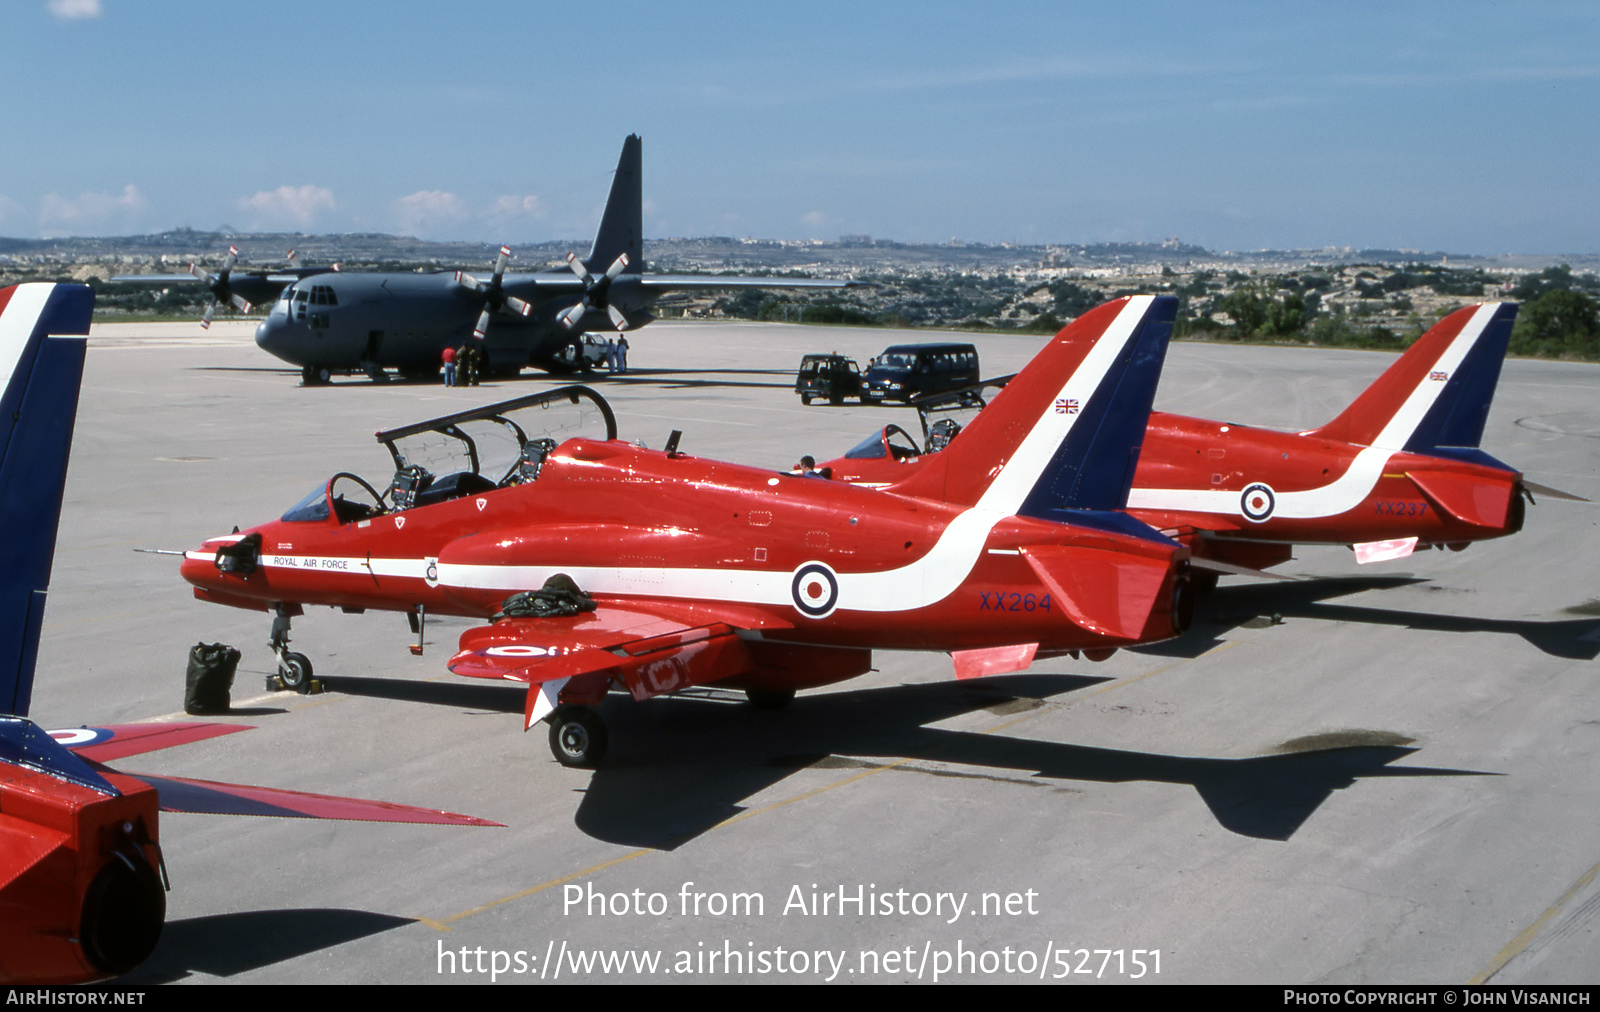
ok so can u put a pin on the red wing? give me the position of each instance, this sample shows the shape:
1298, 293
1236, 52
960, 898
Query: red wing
117, 741
204, 797
652, 649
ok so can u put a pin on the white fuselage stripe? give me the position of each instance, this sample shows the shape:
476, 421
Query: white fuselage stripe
1346, 492
918, 584
1337, 497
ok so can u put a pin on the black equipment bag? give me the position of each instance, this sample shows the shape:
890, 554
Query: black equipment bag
210, 676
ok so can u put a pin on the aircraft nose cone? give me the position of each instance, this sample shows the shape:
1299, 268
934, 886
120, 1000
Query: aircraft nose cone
198, 572
272, 337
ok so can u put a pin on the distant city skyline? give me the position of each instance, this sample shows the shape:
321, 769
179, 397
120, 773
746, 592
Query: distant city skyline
1464, 128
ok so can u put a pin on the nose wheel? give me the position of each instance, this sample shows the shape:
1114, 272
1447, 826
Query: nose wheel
294, 668
577, 736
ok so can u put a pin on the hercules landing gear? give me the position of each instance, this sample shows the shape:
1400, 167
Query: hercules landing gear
294, 669
577, 736
315, 376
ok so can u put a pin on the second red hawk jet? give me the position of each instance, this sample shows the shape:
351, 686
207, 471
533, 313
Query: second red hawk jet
657, 570
1400, 468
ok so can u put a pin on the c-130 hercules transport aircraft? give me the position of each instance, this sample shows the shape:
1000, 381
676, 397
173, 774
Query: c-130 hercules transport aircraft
350, 321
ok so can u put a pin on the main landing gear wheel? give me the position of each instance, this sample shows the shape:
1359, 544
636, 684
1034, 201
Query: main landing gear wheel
577, 737
769, 699
295, 672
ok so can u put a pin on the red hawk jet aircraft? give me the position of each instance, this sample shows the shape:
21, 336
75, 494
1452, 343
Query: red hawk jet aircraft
1398, 469
665, 571
80, 896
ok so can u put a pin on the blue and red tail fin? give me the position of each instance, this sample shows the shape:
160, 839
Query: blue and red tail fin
1435, 398
41, 366
1064, 435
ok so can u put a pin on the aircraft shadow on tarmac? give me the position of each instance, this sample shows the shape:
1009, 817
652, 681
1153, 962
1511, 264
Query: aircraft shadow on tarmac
681, 765
666, 379
679, 769
1249, 605
225, 945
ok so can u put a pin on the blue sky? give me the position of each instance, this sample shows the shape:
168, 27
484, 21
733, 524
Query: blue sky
1468, 127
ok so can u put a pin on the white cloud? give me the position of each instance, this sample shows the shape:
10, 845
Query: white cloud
90, 210
430, 211
507, 210
74, 10
297, 205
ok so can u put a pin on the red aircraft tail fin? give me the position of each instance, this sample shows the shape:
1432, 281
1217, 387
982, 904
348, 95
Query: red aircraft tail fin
1437, 394
1066, 432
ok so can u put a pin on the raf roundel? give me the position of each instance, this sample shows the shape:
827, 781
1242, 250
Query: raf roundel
815, 589
1257, 502
77, 737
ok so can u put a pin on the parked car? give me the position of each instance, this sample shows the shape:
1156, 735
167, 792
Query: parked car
584, 355
832, 376
905, 371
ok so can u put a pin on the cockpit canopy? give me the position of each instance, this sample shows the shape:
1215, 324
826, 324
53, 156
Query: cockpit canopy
462, 454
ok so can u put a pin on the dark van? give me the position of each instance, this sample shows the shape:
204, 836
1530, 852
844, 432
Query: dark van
832, 376
905, 371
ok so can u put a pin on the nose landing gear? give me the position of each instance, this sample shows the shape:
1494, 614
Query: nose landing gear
294, 669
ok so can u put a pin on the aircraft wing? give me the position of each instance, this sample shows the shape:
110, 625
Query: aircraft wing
713, 282
205, 797
653, 649
117, 741
559, 282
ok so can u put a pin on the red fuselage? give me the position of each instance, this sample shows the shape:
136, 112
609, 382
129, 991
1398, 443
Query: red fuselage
798, 559
1257, 484
1260, 491
82, 900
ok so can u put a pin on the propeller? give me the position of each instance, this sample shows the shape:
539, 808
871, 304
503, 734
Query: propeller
494, 297
294, 262
595, 293
218, 284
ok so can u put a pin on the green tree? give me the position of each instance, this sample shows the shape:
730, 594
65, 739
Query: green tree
1559, 322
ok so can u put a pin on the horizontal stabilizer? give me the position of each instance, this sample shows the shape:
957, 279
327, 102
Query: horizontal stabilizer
1108, 593
1473, 500
204, 797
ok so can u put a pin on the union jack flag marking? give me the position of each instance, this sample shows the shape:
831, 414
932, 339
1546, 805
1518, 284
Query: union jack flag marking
1439, 375
1067, 406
